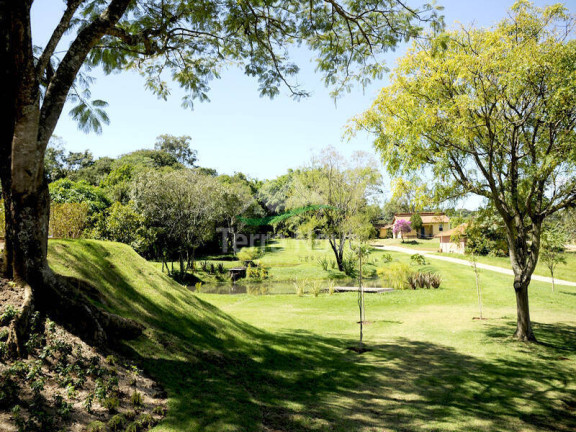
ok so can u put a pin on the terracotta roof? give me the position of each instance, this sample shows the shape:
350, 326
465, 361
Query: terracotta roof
460, 229
427, 217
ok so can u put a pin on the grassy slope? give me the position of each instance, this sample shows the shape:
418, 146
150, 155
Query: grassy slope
280, 363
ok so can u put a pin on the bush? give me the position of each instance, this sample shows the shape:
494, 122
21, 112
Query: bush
257, 273
418, 259
395, 275
117, 423
136, 399
324, 262
386, 258
300, 287
250, 254
349, 265
316, 288
68, 220
96, 426
424, 280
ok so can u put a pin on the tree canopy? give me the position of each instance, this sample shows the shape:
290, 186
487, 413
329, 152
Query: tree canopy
490, 112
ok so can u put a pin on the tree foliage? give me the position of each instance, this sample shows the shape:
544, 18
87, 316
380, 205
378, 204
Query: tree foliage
179, 147
69, 219
490, 112
68, 191
343, 190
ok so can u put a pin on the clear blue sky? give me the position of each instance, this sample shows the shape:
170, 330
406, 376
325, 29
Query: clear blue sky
238, 130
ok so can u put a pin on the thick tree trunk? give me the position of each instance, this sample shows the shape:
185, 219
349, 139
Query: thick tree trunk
27, 217
523, 325
523, 257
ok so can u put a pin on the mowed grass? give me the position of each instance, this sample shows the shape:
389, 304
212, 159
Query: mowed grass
562, 271
428, 245
281, 363
286, 259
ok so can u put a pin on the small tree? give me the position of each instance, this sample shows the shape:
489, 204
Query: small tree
552, 250
403, 227
416, 222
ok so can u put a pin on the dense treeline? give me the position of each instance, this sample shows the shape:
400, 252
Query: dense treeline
168, 208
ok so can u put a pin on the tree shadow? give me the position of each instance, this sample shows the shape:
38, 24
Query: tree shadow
223, 374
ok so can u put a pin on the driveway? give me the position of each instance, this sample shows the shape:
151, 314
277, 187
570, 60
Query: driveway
469, 264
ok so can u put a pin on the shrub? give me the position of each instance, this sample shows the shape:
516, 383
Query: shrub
68, 220
8, 314
300, 287
316, 288
349, 265
386, 258
117, 423
111, 404
331, 288
96, 426
418, 259
136, 399
324, 262
258, 273
395, 275
250, 254
424, 280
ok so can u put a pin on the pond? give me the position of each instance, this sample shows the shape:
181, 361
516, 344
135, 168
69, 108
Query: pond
278, 287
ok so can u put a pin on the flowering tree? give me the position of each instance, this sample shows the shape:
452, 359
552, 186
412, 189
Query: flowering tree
403, 227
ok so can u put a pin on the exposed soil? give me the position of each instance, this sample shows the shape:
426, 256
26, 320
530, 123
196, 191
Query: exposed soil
66, 385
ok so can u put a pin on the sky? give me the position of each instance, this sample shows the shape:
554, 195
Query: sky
238, 130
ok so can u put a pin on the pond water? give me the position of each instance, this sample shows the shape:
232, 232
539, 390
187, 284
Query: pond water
276, 287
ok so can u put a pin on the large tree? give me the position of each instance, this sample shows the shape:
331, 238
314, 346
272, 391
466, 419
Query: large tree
191, 41
491, 112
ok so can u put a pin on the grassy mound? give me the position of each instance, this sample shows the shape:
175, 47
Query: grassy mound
280, 363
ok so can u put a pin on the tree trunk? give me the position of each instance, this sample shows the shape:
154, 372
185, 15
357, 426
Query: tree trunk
523, 325
338, 250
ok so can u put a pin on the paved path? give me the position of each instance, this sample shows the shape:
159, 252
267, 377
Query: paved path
468, 263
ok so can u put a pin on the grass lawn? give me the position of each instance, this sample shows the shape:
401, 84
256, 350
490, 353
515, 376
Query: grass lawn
431, 245
562, 271
281, 363
287, 260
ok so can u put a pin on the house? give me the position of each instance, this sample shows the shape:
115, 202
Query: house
383, 229
432, 224
453, 240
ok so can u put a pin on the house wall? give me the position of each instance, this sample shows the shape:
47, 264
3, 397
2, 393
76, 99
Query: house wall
446, 246
434, 231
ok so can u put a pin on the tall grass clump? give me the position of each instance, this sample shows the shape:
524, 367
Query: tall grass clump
395, 275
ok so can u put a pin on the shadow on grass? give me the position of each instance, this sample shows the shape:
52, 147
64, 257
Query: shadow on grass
222, 374
298, 381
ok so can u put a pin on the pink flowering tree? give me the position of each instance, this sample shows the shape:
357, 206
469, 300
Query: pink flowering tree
401, 226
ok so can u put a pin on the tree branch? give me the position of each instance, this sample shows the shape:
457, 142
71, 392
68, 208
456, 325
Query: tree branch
65, 75
59, 31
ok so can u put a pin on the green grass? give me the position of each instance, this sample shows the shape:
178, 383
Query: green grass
280, 363
562, 271
431, 245
287, 260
